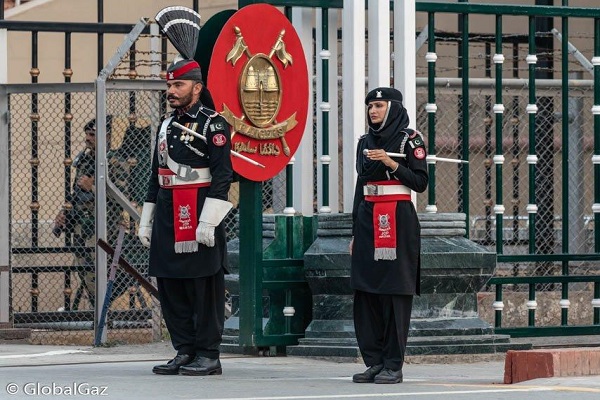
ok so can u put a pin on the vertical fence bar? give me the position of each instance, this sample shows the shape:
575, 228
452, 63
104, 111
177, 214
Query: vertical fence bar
431, 108
516, 157
498, 306
488, 150
34, 162
325, 108
531, 305
565, 164
464, 45
68, 117
596, 303
532, 111
499, 157
596, 156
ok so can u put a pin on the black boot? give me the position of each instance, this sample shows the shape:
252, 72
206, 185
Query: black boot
389, 376
369, 375
172, 367
202, 366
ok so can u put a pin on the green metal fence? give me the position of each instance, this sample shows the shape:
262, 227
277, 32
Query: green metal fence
560, 133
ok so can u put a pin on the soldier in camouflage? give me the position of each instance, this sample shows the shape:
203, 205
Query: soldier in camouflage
78, 218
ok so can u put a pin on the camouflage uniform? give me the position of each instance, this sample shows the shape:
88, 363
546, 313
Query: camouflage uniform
81, 218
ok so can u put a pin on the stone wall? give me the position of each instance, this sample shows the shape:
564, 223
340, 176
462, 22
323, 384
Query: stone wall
548, 312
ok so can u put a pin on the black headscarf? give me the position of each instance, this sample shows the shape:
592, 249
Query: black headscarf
386, 135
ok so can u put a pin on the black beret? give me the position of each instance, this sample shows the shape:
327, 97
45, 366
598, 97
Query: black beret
383, 93
91, 125
185, 70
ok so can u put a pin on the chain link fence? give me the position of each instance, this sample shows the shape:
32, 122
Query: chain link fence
516, 179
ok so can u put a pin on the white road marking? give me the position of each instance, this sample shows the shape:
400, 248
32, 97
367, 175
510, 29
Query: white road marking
379, 395
48, 353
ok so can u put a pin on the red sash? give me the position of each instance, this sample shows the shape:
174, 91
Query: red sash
384, 221
185, 214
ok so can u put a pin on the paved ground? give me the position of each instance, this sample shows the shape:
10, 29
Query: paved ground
124, 372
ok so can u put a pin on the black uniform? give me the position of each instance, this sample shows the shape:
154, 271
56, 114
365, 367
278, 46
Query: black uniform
191, 285
384, 288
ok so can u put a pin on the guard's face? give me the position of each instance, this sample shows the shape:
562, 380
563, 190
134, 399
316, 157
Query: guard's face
377, 110
182, 93
90, 139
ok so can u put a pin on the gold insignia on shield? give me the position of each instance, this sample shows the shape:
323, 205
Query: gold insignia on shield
260, 93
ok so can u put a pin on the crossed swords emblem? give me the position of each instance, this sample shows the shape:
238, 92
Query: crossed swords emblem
260, 95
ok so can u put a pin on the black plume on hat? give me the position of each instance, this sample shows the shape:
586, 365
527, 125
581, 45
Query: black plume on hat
181, 25
91, 125
384, 94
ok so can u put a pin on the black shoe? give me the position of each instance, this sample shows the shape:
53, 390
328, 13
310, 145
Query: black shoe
369, 375
389, 376
202, 366
172, 367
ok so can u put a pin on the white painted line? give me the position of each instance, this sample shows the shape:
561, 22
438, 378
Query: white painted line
48, 353
378, 395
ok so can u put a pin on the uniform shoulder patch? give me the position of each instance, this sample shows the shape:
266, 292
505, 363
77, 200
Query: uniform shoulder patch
217, 126
219, 140
419, 153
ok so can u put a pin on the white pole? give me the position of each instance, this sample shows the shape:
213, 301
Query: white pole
353, 87
379, 43
405, 64
333, 127
303, 21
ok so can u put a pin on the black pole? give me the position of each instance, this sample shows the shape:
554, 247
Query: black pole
544, 146
1, 10
100, 36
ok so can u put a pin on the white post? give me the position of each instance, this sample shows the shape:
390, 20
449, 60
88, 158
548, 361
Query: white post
333, 127
405, 64
303, 21
353, 87
4, 187
379, 43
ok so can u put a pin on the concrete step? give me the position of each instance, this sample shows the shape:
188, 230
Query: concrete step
15, 335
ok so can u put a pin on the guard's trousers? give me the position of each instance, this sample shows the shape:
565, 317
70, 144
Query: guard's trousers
381, 323
194, 311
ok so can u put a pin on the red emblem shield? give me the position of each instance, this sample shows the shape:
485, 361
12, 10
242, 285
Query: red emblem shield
259, 82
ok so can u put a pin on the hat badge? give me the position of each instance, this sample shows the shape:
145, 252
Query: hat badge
378, 94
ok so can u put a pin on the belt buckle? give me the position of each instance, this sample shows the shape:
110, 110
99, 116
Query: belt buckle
186, 173
372, 190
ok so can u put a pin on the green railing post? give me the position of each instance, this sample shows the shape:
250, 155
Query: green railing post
251, 256
596, 303
431, 108
532, 158
325, 159
499, 157
596, 113
531, 305
464, 140
498, 306
564, 302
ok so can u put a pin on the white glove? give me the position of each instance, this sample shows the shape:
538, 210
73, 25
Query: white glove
145, 230
213, 212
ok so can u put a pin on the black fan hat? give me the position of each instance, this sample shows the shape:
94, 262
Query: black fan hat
181, 25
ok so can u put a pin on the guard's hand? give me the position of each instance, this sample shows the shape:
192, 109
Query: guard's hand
213, 212
351, 245
205, 234
86, 183
144, 234
60, 219
146, 219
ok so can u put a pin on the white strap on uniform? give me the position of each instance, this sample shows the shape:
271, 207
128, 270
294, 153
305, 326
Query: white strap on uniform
184, 172
382, 190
